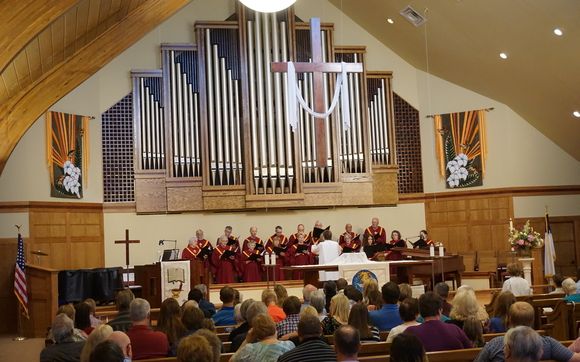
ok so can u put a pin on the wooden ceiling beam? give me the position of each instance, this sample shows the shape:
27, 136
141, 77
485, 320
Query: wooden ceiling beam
19, 112
22, 20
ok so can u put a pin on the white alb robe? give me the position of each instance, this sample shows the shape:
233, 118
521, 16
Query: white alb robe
328, 251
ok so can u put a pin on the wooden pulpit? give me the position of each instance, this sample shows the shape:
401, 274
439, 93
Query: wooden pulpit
42, 284
149, 278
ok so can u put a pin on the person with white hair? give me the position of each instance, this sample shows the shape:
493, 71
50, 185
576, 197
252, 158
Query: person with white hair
65, 348
569, 287
522, 344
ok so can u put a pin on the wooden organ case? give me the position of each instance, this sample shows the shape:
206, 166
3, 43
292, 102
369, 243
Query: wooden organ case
211, 131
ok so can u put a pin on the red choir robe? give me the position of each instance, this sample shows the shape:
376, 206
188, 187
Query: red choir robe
396, 255
259, 243
232, 241
355, 244
190, 253
251, 268
206, 249
281, 260
226, 267
379, 235
304, 257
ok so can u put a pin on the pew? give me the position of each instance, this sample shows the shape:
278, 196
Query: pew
562, 319
329, 338
225, 329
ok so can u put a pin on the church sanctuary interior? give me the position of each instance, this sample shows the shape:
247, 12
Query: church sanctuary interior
135, 128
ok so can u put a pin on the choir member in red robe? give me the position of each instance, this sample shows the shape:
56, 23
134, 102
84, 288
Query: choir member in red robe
192, 250
300, 254
396, 242
293, 239
316, 232
251, 261
254, 237
377, 232
232, 240
354, 237
225, 262
274, 245
348, 245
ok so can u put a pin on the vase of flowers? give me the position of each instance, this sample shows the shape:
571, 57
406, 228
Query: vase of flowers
523, 241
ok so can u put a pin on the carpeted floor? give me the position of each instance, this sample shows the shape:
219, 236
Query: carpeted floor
20, 351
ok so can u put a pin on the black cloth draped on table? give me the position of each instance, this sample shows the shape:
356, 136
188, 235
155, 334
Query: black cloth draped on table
99, 284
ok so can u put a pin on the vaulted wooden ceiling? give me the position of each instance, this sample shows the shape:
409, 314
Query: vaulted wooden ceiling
49, 47
461, 42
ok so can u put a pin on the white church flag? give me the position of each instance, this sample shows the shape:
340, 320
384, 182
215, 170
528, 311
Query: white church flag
549, 251
175, 280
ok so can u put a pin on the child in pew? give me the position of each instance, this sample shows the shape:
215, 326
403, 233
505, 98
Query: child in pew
474, 331
407, 348
498, 323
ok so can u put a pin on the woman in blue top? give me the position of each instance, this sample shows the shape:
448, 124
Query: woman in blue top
261, 343
498, 322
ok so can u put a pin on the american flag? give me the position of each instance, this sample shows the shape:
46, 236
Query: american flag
20, 277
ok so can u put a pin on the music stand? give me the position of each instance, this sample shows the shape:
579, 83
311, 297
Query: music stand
170, 254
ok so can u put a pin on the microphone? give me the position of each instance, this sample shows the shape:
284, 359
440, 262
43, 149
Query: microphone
161, 242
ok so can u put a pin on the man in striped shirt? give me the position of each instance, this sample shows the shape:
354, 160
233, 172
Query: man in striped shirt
312, 348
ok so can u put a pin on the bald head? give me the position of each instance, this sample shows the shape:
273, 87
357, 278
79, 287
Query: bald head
122, 340
375, 222
253, 231
307, 291
346, 342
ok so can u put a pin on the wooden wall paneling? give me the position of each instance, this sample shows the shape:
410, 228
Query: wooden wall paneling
8, 248
150, 191
385, 186
224, 198
357, 192
184, 196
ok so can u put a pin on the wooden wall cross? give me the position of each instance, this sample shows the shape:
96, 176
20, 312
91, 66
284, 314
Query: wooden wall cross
317, 67
127, 241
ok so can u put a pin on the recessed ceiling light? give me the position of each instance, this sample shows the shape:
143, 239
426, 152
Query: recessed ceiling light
558, 32
390, 21
576, 114
503, 55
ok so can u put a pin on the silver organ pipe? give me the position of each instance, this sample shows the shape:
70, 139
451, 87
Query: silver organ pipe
149, 119
237, 134
180, 121
378, 107
385, 151
279, 106
328, 133
287, 132
260, 104
360, 120
252, 108
218, 116
210, 107
271, 140
226, 121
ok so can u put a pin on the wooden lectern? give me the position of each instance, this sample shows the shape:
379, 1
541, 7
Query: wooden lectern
42, 300
149, 278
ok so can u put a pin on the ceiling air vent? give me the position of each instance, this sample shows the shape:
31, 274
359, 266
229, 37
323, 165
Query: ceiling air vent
413, 16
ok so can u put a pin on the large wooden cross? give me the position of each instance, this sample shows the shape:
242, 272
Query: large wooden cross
127, 241
317, 67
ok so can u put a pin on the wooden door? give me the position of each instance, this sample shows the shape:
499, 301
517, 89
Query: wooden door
565, 246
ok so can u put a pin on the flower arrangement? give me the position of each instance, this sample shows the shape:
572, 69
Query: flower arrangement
525, 239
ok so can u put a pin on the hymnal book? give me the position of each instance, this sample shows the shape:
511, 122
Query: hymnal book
318, 231
259, 246
232, 241
280, 249
301, 248
227, 254
347, 249
255, 256
205, 251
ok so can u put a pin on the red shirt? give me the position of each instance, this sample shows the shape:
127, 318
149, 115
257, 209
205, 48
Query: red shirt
147, 343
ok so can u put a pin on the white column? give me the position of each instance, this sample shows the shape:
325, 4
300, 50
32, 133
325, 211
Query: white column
527, 264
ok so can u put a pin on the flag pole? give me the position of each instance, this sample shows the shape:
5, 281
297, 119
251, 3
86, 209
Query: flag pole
20, 337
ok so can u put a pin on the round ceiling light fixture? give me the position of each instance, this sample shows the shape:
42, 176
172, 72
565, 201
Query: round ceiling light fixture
503, 55
390, 21
576, 114
558, 32
268, 6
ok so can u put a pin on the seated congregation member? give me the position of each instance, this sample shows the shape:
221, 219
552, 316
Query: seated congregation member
388, 316
170, 324
405, 291
300, 254
225, 316
434, 334
568, 286
199, 293
424, 241
346, 343
311, 348
371, 286
100, 334
498, 322
516, 283
195, 348
107, 351
244, 326
83, 318
407, 348
95, 322
122, 340
354, 295
358, 318
348, 245
318, 301
261, 343
465, 305
474, 331
522, 344
225, 262
281, 294
270, 299
289, 325
65, 348
306, 293
341, 283
69, 311
251, 263
327, 250
557, 282
330, 289
214, 342
522, 314
192, 319
253, 310
409, 311
442, 289
145, 342
338, 314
